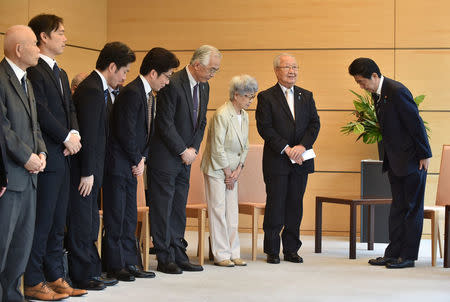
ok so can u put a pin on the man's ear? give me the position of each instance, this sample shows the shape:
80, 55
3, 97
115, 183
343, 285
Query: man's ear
112, 68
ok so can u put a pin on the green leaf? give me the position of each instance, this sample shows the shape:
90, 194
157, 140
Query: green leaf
359, 128
419, 99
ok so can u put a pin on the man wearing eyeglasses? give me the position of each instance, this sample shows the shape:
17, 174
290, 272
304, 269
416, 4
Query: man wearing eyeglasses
130, 135
287, 120
179, 126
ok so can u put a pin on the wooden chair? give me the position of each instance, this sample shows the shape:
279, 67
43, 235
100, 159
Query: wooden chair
196, 206
143, 226
252, 191
435, 213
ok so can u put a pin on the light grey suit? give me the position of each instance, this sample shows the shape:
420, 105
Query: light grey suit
18, 205
226, 146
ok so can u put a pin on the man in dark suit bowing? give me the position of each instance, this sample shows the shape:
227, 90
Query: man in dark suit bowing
25, 157
59, 126
91, 99
406, 158
131, 129
287, 120
179, 127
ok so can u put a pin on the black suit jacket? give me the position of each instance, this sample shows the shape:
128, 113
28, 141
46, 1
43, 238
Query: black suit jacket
20, 127
128, 141
278, 128
89, 100
55, 109
404, 136
174, 126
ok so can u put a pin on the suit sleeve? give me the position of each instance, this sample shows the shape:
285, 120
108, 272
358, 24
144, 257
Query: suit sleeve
265, 127
48, 123
165, 120
14, 146
125, 117
409, 114
89, 108
312, 131
202, 122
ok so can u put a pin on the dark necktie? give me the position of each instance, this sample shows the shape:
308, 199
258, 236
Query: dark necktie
195, 111
115, 92
106, 96
150, 107
56, 72
376, 100
23, 81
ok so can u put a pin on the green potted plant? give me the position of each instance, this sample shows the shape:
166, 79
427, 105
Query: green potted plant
366, 124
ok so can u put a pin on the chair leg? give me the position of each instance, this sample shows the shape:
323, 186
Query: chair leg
254, 233
145, 239
99, 238
440, 236
201, 236
434, 231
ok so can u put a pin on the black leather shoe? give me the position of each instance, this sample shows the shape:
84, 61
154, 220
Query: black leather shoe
400, 263
169, 268
274, 259
293, 257
91, 284
138, 273
121, 275
189, 267
106, 280
381, 261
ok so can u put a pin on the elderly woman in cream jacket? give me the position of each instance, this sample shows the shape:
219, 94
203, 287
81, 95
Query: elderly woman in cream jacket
222, 162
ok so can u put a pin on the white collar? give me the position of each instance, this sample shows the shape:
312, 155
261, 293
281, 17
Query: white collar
147, 86
48, 60
285, 88
17, 70
192, 81
380, 84
105, 84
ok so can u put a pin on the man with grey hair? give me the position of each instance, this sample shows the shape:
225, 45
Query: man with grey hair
179, 126
25, 157
287, 120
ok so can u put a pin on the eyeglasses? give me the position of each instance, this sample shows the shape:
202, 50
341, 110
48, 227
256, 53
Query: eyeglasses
250, 96
287, 68
211, 70
168, 76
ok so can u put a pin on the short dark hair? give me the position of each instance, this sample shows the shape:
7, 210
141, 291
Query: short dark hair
159, 59
117, 53
44, 23
364, 67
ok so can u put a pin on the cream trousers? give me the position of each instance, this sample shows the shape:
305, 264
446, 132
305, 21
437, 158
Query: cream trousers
223, 218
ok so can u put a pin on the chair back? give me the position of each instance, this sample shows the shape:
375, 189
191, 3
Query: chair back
196, 182
251, 181
443, 189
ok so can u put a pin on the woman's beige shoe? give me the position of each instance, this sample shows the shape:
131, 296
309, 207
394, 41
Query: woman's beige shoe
226, 263
239, 262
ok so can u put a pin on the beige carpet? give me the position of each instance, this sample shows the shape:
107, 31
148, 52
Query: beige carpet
329, 276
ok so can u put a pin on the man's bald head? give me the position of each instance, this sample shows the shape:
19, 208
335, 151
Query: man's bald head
77, 80
20, 46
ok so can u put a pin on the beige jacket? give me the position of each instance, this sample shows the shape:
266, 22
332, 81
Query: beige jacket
227, 142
